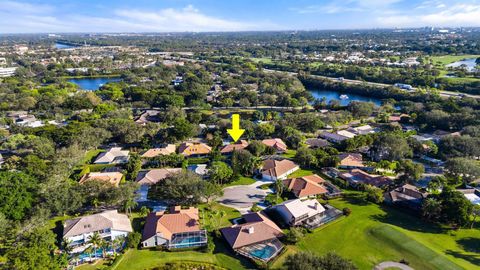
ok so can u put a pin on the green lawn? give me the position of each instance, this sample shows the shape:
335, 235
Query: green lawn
90, 155
208, 222
448, 59
301, 172
289, 153
242, 180
144, 259
372, 234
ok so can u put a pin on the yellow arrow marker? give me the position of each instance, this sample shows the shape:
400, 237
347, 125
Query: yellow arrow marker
236, 132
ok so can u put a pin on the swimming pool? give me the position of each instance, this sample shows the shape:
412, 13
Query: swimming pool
188, 241
264, 253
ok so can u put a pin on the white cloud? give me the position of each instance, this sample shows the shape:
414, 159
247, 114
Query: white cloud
19, 17
338, 6
453, 15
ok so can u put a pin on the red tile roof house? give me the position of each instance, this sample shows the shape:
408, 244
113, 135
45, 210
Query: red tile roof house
228, 149
356, 177
151, 177
350, 161
180, 228
276, 143
194, 149
256, 239
274, 170
306, 186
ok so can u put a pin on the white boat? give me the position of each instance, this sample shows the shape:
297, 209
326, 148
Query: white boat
343, 97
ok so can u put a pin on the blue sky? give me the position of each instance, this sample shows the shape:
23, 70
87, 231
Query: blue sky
32, 16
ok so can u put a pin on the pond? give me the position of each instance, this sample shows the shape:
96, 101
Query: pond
60, 46
344, 98
469, 63
93, 84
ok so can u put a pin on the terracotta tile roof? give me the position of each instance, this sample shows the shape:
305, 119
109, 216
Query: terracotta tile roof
242, 144
106, 220
167, 150
189, 149
257, 228
276, 143
351, 160
152, 177
177, 221
306, 186
277, 168
113, 178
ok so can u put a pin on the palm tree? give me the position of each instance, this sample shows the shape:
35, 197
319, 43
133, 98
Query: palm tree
279, 186
66, 245
128, 204
95, 239
89, 250
117, 244
104, 244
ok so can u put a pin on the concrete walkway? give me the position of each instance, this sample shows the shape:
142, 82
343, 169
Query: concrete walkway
386, 265
242, 198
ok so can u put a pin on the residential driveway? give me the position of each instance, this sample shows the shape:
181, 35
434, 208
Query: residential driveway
388, 265
242, 198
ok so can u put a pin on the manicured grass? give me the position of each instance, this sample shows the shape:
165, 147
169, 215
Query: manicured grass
145, 259
99, 264
241, 181
373, 233
209, 223
265, 60
289, 153
90, 155
301, 172
448, 59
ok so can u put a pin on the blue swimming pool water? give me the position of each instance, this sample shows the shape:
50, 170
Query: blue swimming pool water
264, 253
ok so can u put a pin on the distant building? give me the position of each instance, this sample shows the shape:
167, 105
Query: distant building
229, 148
404, 86
276, 143
316, 143
7, 72
112, 178
152, 177
407, 195
277, 169
350, 161
180, 228
189, 149
356, 177
166, 150
333, 137
114, 155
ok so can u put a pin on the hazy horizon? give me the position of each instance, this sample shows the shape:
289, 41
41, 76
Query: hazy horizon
179, 16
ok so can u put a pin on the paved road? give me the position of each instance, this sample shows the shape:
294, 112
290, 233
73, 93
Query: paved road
387, 265
242, 198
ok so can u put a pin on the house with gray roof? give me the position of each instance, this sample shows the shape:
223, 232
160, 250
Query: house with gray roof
114, 155
109, 224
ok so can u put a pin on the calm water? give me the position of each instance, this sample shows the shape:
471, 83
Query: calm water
93, 84
470, 63
63, 46
334, 95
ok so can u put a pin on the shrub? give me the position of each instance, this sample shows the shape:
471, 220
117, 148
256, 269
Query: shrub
133, 239
346, 211
294, 235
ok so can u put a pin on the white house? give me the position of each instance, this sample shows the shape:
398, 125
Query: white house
274, 170
109, 224
296, 212
114, 155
